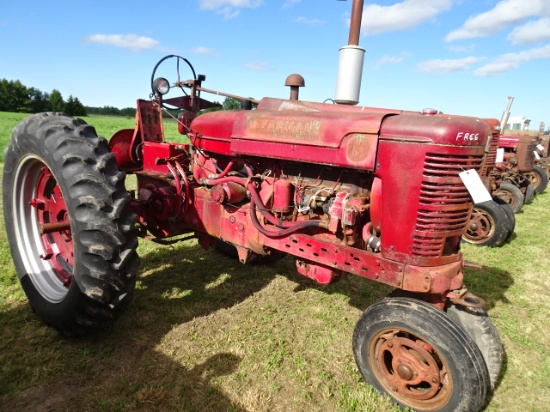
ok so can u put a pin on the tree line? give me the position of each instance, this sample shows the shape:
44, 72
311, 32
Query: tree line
16, 97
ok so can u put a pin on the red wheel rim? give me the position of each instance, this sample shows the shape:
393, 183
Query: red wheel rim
53, 223
410, 370
480, 227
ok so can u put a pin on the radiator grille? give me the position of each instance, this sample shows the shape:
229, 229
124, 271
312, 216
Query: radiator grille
491, 157
530, 157
444, 205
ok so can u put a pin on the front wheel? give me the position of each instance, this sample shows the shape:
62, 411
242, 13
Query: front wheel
421, 358
68, 222
489, 225
477, 324
528, 191
511, 194
538, 179
508, 212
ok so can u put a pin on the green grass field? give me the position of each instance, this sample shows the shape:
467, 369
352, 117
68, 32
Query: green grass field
105, 126
205, 333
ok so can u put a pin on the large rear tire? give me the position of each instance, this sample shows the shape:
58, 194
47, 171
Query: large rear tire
68, 222
420, 357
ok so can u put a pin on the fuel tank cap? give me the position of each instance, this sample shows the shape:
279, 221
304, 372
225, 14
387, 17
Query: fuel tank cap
429, 111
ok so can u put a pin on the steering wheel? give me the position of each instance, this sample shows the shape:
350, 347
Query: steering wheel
160, 85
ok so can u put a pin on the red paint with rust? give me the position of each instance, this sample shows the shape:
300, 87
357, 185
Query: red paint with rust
519, 151
345, 189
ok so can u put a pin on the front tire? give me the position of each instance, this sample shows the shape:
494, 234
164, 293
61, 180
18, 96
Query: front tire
68, 223
528, 191
509, 212
489, 225
420, 357
538, 179
511, 194
477, 324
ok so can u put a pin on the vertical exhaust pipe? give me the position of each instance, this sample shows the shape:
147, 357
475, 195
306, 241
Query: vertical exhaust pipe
506, 114
350, 65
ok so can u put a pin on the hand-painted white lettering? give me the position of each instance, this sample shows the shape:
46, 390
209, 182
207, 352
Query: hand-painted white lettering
467, 137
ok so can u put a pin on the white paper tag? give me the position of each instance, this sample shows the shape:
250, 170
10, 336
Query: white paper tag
500, 155
540, 147
475, 186
536, 155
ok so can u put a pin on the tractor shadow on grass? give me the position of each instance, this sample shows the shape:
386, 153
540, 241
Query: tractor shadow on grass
145, 360
126, 366
487, 282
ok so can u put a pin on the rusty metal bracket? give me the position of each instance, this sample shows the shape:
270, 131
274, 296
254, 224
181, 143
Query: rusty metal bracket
464, 298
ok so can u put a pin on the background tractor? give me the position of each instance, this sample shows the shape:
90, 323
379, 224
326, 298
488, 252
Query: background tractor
492, 222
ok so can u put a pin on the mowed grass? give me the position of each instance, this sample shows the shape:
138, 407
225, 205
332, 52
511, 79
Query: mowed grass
105, 126
205, 333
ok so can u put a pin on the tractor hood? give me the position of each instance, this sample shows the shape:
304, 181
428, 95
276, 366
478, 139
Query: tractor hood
510, 142
327, 134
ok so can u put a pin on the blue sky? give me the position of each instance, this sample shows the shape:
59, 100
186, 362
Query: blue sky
458, 56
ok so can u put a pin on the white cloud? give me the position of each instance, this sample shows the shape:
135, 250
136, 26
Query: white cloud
257, 66
309, 22
290, 3
447, 66
511, 61
401, 16
387, 60
506, 13
462, 49
124, 41
532, 32
203, 50
228, 8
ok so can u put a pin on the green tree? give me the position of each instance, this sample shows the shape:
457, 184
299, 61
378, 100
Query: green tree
57, 104
231, 104
74, 107
14, 96
40, 102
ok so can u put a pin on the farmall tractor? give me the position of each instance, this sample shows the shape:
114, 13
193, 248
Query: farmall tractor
371, 192
344, 189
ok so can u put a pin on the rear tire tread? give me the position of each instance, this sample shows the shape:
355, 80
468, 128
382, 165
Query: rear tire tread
93, 189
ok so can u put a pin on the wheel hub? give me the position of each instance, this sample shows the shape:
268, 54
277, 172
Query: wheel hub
481, 226
405, 372
53, 225
410, 368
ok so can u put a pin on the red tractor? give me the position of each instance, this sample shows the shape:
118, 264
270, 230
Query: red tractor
344, 189
519, 165
509, 170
